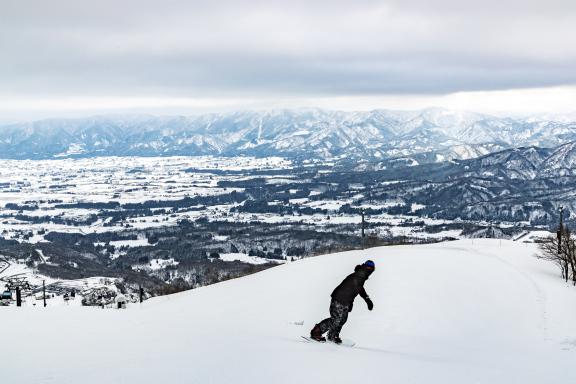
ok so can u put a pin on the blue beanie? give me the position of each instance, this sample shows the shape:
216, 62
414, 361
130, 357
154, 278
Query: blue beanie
370, 263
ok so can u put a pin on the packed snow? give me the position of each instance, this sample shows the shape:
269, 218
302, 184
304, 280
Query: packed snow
468, 311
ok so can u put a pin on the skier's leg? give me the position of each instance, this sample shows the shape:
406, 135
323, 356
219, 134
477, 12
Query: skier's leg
327, 324
336, 313
341, 320
340, 316
322, 327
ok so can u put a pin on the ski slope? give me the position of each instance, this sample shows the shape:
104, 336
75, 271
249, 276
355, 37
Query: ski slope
469, 311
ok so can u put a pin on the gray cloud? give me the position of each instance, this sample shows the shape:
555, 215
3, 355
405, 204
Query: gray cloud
198, 48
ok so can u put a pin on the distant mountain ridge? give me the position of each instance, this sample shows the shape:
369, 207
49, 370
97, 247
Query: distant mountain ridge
526, 184
525, 163
301, 134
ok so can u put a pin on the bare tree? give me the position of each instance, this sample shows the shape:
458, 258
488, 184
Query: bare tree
561, 250
569, 248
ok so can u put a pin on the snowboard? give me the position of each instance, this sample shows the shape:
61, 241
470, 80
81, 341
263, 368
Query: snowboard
345, 342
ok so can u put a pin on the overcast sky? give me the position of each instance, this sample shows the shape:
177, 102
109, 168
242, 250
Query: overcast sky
64, 57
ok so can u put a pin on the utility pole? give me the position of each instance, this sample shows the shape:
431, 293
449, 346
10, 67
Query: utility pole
363, 225
141, 291
363, 222
44, 292
560, 230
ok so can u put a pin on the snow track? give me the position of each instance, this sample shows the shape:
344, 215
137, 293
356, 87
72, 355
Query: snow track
540, 295
460, 312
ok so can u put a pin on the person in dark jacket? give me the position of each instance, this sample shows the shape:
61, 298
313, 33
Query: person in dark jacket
342, 301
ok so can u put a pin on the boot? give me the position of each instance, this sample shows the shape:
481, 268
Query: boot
335, 339
316, 334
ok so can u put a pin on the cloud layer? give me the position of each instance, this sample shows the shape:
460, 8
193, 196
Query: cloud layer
300, 48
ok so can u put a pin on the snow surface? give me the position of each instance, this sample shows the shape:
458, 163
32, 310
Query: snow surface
247, 259
469, 311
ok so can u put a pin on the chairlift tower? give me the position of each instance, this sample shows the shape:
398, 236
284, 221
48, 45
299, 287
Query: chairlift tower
18, 284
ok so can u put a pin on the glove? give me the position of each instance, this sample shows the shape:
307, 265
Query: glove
369, 303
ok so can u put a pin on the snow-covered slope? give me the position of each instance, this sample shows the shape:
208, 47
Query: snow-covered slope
471, 311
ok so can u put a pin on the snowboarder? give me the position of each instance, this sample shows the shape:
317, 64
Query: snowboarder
342, 300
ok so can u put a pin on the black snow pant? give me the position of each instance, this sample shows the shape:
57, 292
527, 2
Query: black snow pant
337, 319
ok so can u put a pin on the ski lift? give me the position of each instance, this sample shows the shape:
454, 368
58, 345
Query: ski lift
6, 295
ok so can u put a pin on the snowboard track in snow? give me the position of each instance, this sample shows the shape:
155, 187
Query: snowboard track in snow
540, 296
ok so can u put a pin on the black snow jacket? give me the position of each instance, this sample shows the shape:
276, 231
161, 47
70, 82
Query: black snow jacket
352, 286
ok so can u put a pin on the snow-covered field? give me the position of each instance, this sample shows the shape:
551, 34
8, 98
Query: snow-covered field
44, 184
469, 311
71, 196
124, 179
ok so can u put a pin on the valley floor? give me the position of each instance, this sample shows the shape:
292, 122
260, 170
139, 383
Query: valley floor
468, 311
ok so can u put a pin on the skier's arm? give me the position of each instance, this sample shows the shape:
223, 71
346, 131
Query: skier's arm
363, 293
366, 298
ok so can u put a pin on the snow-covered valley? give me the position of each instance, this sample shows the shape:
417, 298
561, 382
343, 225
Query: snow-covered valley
183, 222
468, 311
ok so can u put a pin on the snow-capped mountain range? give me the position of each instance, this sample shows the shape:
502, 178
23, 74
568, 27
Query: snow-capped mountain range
314, 133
